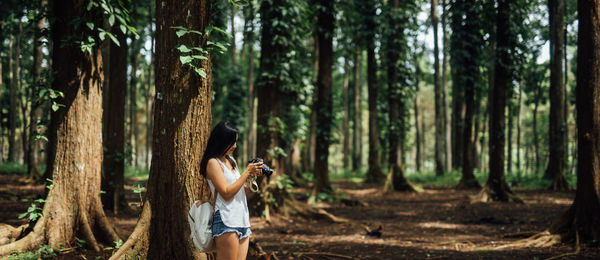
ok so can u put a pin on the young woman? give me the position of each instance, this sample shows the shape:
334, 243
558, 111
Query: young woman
231, 222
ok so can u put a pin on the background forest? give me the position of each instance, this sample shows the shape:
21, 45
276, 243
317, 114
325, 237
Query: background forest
107, 104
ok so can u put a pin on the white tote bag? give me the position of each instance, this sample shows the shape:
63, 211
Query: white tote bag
200, 219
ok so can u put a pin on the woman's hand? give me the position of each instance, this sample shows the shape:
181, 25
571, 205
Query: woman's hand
254, 169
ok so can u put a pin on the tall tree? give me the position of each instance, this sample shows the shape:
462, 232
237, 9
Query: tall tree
73, 208
13, 70
447, 122
467, 59
581, 222
398, 17
557, 120
114, 125
357, 131
36, 104
374, 173
496, 187
325, 25
439, 99
182, 121
346, 123
133, 78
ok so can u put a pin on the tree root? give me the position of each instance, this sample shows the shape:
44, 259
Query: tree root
404, 186
487, 195
304, 209
136, 244
468, 184
9, 234
31, 241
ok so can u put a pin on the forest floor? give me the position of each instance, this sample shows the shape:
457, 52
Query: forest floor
438, 223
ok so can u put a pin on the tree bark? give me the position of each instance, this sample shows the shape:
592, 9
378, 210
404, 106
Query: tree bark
581, 222
447, 122
418, 129
324, 106
496, 188
557, 121
113, 165
357, 149
12, 114
374, 173
73, 208
439, 98
346, 125
133, 121
150, 97
536, 143
36, 103
182, 125
395, 57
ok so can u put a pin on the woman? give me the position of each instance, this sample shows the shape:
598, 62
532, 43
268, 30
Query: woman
231, 222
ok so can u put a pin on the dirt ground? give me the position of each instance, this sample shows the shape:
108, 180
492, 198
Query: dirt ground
438, 223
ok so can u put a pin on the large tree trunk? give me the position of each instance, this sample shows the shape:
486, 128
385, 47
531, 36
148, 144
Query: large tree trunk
150, 98
114, 125
581, 222
458, 105
496, 188
357, 133
73, 208
346, 125
36, 103
439, 98
557, 120
181, 129
324, 106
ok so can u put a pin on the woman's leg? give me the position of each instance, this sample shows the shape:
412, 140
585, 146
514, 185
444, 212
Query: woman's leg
243, 248
227, 246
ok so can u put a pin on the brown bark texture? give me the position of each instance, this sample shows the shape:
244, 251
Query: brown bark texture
113, 165
496, 187
357, 149
557, 120
324, 106
73, 208
439, 109
133, 122
182, 121
346, 125
36, 103
582, 218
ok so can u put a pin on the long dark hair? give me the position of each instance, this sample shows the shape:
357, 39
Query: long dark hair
222, 137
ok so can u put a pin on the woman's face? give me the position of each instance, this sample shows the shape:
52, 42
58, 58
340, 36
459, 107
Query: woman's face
232, 148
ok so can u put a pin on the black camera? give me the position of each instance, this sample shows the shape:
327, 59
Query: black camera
266, 170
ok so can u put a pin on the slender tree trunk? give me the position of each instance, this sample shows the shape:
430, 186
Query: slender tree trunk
181, 129
357, 151
470, 67
133, 121
418, 129
20, 103
73, 208
114, 124
150, 98
447, 122
251, 96
496, 187
346, 126
519, 128
557, 122
439, 98
36, 103
397, 49
324, 106
12, 114
509, 136
535, 132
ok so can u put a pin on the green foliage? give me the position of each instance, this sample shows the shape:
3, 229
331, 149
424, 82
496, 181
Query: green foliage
193, 56
13, 168
45, 251
118, 245
134, 172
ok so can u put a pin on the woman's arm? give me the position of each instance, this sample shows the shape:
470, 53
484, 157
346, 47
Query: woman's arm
214, 172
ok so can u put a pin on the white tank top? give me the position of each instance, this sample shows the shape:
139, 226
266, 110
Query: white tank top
234, 213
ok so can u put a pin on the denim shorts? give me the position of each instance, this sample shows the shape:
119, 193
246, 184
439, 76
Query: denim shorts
219, 228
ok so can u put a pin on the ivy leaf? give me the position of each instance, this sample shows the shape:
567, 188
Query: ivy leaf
114, 39
123, 28
90, 25
183, 48
90, 5
185, 59
111, 20
102, 35
200, 72
200, 57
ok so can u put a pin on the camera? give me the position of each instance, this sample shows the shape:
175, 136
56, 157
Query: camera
266, 170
